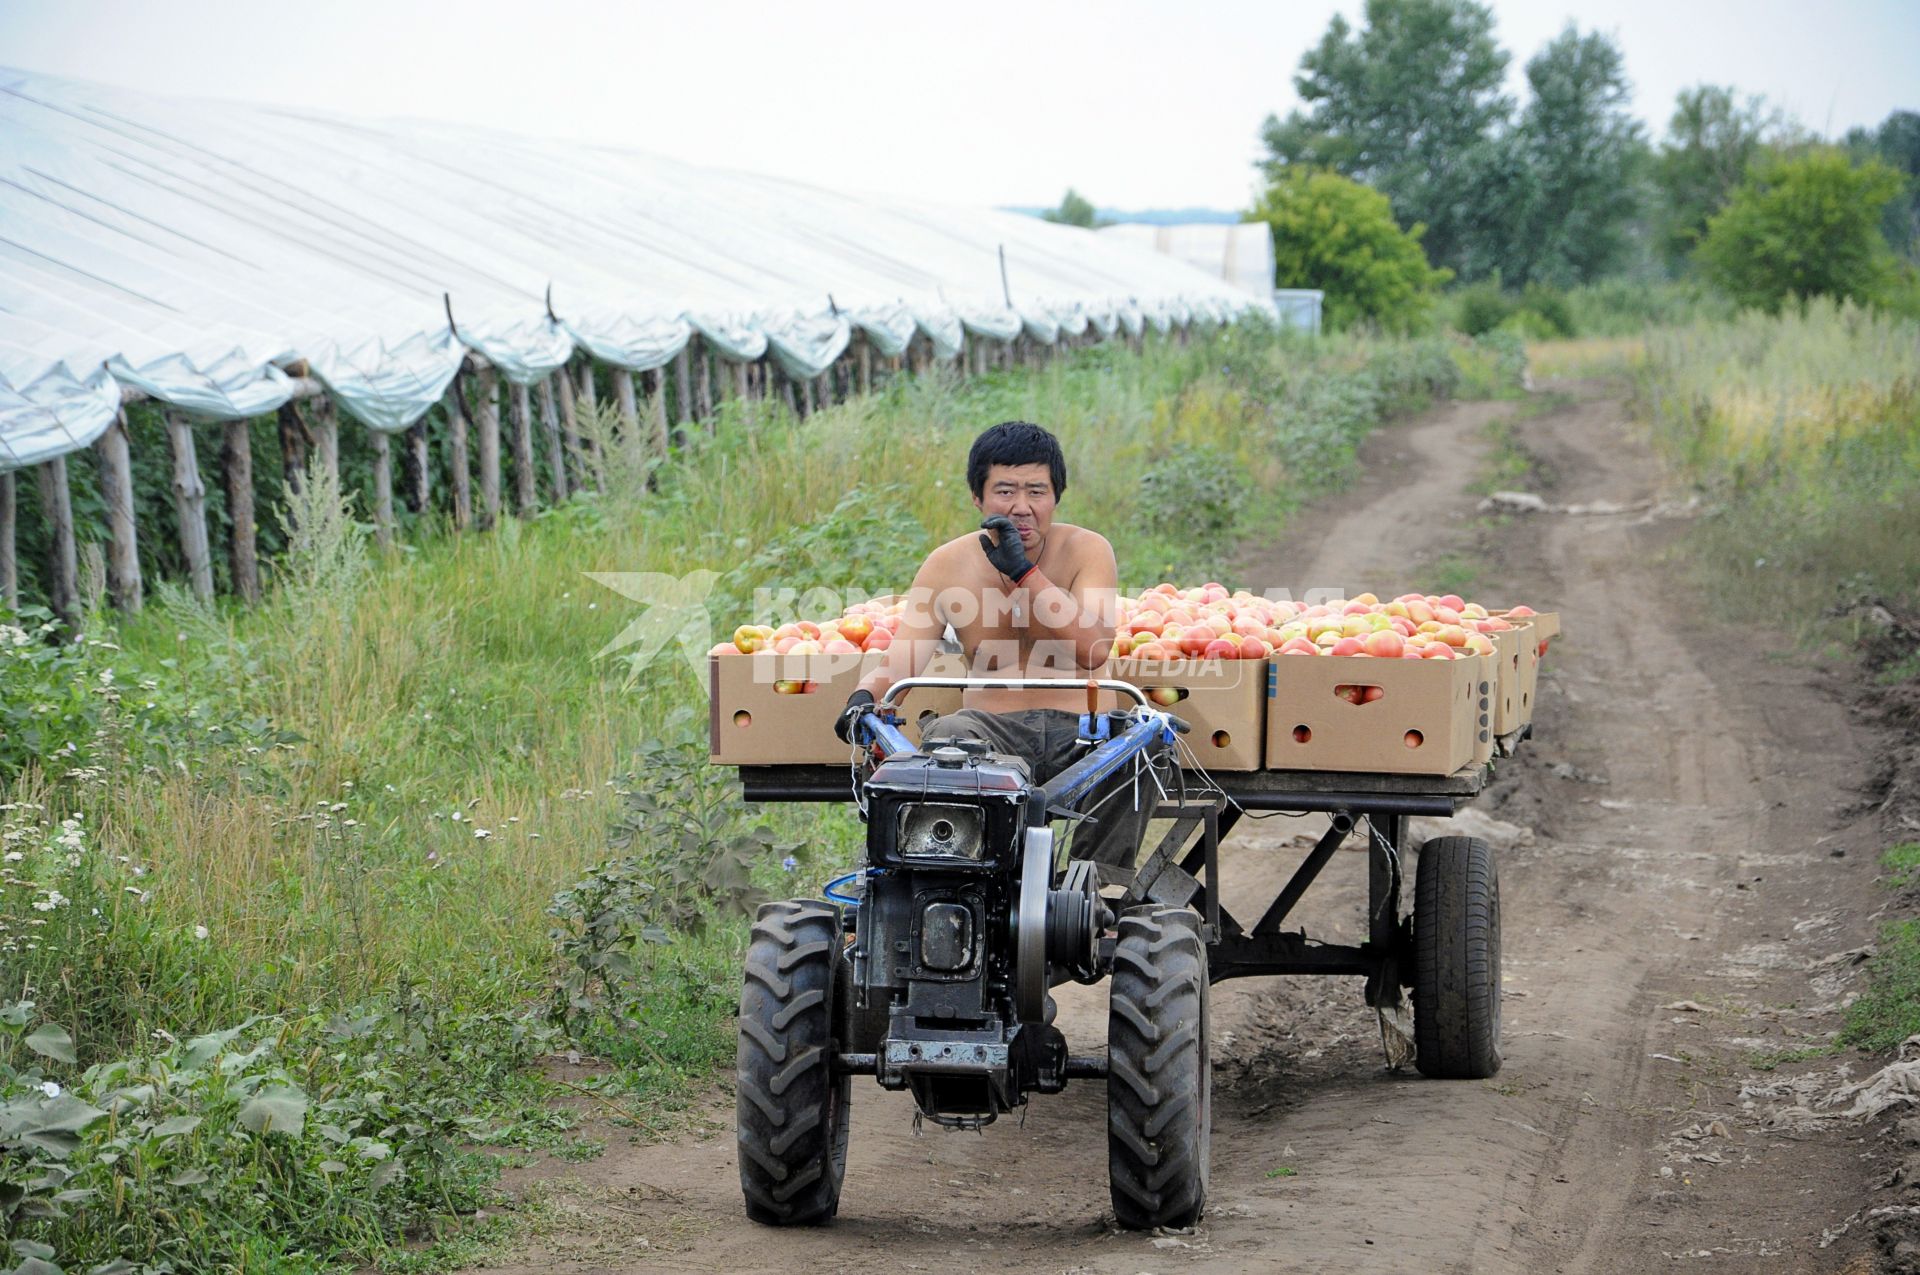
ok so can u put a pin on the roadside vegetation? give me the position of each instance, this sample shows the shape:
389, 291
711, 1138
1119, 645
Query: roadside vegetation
1802, 432
296, 898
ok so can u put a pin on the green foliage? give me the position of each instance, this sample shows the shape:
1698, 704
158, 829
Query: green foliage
1902, 864
1195, 491
286, 1145
1889, 1010
1712, 142
1896, 143
1402, 104
1337, 235
68, 706
870, 541
1583, 151
1804, 227
1074, 210
1802, 431
1539, 312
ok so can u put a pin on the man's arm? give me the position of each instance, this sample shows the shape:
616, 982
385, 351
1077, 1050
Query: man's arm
1084, 614
921, 628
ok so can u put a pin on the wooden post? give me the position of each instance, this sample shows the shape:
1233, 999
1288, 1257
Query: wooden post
190, 504
623, 395
550, 417
415, 484
526, 495
486, 419
326, 434
583, 472
294, 442
56, 509
116, 493
744, 381
658, 442
383, 488
9, 561
457, 465
682, 387
596, 458
807, 399
243, 540
702, 384
866, 366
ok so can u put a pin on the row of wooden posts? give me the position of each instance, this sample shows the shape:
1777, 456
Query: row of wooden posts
702, 380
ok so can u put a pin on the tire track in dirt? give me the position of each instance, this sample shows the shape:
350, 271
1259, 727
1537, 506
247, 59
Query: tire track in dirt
1322, 1159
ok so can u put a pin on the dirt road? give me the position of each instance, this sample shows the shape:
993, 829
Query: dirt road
1686, 832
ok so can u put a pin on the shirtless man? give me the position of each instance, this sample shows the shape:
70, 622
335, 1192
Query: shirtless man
1028, 597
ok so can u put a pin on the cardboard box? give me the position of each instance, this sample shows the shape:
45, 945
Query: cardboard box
1513, 654
779, 710
1435, 703
1537, 631
1224, 701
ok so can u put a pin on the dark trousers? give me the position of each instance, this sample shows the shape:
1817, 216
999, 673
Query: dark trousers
1047, 738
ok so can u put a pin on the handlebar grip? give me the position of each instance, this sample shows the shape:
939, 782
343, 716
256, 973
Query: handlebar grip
1180, 724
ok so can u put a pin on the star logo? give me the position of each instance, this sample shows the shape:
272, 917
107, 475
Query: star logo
676, 612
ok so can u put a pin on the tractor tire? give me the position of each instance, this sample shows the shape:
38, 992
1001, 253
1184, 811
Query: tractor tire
1456, 968
792, 1110
1159, 1077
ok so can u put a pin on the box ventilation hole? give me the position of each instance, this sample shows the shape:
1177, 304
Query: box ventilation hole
1301, 734
1413, 739
1221, 739
1359, 693
743, 719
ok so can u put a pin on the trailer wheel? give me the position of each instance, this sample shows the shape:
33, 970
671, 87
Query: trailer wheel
792, 1111
1159, 1078
1456, 979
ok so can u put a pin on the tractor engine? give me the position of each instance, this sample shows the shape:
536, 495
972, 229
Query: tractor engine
959, 931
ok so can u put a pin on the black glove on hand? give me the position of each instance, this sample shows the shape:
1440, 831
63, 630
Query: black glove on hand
859, 704
1009, 557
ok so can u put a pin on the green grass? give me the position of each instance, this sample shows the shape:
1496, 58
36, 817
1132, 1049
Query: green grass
1901, 863
1888, 1011
1802, 433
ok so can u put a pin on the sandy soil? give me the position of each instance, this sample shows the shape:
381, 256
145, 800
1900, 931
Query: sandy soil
1690, 829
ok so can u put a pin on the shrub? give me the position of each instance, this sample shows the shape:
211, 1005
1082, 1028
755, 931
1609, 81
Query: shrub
1807, 226
1337, 235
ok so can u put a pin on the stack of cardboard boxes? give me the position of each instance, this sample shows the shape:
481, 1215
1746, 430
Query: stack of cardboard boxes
1286, 712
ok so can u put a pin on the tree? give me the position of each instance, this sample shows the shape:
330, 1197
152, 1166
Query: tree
1582, 148
1712, 141
1896, 143
1802, 227
1073, 211
1403, 104
1337, 235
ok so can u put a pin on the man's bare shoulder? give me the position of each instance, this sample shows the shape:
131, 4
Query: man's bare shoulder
1079, 546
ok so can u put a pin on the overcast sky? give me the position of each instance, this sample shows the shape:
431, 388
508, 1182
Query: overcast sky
1136, 104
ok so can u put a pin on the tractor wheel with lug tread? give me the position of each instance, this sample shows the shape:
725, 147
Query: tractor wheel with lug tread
1456, 977
1159, 1078
792, 1110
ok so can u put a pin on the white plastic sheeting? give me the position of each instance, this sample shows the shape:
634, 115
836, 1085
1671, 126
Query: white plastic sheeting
193, 249
1240, 254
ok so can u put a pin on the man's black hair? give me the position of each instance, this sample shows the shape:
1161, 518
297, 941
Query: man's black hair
1015, 443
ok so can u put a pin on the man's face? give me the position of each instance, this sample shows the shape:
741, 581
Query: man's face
1023, 493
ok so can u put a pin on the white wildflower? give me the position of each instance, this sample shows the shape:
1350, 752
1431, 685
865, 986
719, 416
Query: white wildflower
481, 834
200, 932
50, 1089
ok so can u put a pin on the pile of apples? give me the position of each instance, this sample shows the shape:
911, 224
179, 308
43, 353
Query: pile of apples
1169, 623
864, 626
